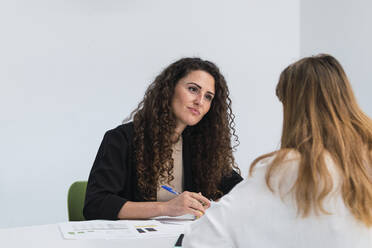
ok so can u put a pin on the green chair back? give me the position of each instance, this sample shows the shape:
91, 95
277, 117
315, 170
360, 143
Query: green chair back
75, 200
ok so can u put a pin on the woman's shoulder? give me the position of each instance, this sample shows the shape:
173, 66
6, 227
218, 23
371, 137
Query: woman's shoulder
289, 158
122, 132
283, 176
127, 128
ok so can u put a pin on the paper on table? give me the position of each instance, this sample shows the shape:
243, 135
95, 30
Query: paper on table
175, 225
178, 220
95, 230
121, 229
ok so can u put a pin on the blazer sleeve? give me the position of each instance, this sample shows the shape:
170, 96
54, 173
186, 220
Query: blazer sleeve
107, 178
228, 182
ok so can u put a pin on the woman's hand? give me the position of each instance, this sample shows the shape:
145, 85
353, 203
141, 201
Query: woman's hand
187, 203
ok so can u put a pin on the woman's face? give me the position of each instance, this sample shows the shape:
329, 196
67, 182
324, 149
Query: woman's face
192, 98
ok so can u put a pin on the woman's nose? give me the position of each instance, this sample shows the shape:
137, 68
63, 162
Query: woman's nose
198, 100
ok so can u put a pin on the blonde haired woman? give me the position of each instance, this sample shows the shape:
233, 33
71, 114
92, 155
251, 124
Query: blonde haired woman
316, 190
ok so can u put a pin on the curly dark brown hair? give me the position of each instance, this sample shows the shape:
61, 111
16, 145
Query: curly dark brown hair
154, 125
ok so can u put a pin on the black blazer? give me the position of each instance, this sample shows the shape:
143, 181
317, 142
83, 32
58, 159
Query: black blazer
113, 177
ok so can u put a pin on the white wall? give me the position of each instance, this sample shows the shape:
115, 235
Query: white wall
72, 69
342, 28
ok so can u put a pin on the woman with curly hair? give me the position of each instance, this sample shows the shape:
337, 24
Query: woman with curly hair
180, 136
316, 190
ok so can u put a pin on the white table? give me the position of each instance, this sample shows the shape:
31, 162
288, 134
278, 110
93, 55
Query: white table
49, 236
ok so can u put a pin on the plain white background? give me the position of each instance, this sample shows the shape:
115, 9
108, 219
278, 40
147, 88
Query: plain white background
343, 29
70, 70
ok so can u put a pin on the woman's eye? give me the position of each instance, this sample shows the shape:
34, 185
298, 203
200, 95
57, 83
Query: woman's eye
209, 97
193, 89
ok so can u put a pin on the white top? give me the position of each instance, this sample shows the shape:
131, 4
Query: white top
252, 216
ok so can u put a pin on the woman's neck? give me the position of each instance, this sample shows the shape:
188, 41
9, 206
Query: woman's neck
178, 132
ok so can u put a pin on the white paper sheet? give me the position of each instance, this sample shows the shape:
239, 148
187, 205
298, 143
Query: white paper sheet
122, 229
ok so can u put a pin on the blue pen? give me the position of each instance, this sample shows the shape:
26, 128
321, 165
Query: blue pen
170, 189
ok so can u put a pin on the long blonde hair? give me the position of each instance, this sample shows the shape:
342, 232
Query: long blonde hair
321, 115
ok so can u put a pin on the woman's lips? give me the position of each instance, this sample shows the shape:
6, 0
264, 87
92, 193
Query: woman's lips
194, 111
